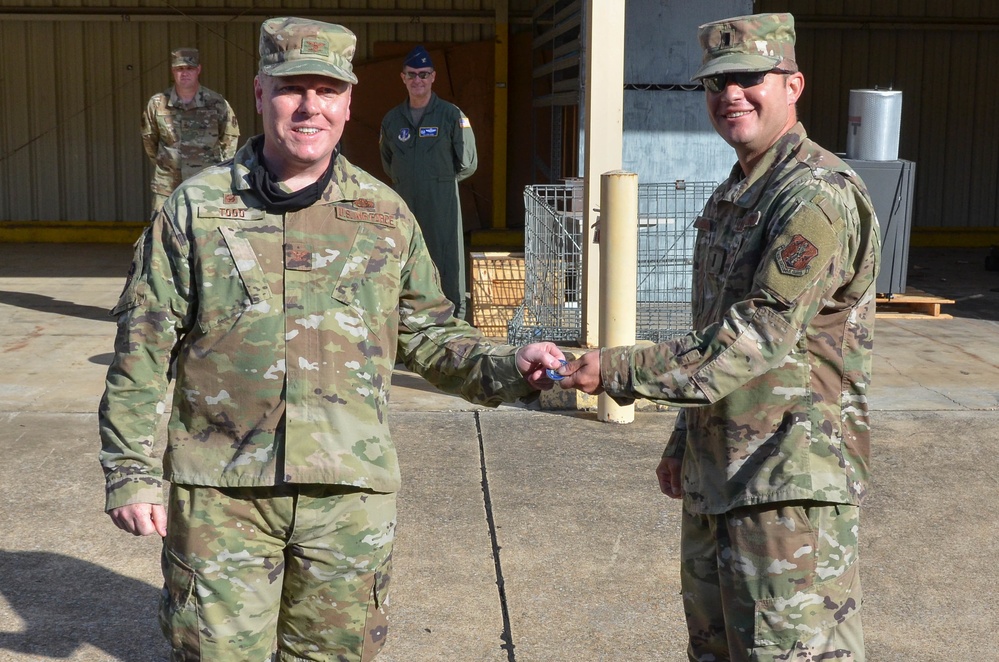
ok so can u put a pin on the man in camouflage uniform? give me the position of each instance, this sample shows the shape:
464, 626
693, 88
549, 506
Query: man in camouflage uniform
186, 127
285, 284
427, 147
770, 452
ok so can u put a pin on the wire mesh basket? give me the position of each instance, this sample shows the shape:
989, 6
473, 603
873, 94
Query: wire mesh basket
553, 235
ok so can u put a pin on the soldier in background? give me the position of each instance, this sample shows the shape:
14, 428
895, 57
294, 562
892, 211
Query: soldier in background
427, 147
286, 283
186, 127
770, 452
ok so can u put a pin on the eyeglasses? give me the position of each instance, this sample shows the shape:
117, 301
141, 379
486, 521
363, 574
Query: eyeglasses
744, 79
422, 75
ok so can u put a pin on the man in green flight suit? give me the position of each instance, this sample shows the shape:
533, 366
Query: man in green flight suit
771, 450
186, 127
427, 147
284, 284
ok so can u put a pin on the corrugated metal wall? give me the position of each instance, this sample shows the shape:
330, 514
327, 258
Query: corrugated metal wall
75, 76
942, 55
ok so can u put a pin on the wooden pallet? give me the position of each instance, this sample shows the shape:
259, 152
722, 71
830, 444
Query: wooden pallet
914, 304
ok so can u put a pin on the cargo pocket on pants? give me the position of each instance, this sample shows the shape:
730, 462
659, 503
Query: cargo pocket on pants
179, 609
805, 617
376, 620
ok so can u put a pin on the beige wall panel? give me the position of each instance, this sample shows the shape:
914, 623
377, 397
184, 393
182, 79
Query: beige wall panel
72, 91
945, 70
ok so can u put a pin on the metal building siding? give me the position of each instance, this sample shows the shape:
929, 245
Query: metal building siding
72, 91
941, 55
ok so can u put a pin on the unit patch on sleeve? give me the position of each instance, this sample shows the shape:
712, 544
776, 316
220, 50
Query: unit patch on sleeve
464, 123
794, 257
800, 255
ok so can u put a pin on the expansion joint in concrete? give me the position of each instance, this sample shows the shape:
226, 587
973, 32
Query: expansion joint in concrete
507, 635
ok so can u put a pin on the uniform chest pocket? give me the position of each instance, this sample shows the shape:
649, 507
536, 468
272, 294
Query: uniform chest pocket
232, 280
369, 279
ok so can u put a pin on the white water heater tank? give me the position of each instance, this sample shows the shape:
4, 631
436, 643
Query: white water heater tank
875, 120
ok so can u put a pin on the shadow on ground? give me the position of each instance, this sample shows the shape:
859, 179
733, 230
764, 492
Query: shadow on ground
66, 603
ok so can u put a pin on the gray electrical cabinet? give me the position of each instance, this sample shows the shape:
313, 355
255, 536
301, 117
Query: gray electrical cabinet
891, 185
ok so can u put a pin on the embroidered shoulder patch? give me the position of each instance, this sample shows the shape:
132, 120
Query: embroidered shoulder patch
799, 257
794, 257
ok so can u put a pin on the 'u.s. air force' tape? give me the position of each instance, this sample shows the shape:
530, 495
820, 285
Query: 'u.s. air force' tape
554, 375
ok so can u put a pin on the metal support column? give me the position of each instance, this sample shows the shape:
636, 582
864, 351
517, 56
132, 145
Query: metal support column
604, 122
618, 277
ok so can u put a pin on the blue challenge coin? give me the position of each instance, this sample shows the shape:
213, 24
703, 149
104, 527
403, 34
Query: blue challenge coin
554, 375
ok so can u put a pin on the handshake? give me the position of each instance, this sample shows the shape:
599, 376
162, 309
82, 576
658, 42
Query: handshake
543, 365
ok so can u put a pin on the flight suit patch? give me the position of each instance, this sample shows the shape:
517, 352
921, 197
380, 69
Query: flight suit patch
404, 135
428, 131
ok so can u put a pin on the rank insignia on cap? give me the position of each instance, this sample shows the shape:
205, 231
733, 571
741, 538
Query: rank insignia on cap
793, 258
315, 46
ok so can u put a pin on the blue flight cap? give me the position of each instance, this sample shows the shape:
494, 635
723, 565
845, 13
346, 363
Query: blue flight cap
418, 58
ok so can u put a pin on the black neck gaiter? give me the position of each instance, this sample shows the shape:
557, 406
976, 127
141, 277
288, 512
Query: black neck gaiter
277, 200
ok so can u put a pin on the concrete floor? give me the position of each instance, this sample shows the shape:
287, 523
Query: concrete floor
524, 535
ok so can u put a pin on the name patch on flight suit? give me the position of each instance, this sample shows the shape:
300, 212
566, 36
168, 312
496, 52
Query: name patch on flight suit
428, 131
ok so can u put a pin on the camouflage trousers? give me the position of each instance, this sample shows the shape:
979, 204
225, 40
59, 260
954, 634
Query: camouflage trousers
773, 582
298, 572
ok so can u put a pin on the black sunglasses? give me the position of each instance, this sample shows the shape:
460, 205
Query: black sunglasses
422, 75
744, 79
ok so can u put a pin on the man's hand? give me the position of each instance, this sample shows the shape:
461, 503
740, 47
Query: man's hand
140, 519
668, 473
583, 374
534, 359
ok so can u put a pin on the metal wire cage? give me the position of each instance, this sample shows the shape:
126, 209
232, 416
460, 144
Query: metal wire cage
553, 261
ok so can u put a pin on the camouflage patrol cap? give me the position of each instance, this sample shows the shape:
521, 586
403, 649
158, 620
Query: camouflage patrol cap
759, 42
293, 46
185, 57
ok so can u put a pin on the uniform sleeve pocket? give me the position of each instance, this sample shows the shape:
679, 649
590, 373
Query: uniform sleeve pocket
134, 292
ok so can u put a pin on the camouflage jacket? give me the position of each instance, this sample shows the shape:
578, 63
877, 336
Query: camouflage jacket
285, 328
181, 139
775, 376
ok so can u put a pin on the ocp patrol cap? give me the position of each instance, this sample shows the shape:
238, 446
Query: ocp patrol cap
296, 46
185, 57
759, 42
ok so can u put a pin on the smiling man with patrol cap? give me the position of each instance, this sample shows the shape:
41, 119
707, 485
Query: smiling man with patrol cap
771, 450
427, 147
285, 283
